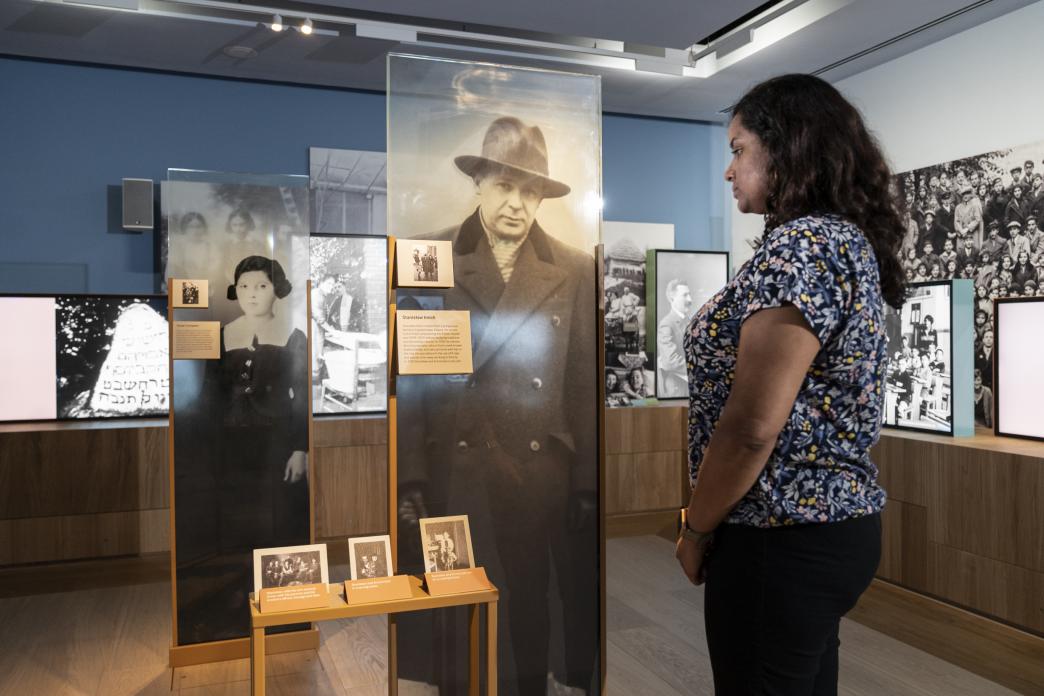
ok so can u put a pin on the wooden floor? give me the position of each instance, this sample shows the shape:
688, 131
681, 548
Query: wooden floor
113, 641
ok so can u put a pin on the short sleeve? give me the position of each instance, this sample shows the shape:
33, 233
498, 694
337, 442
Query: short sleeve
799, 265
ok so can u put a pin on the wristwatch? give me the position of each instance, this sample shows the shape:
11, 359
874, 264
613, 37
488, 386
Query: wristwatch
701, 539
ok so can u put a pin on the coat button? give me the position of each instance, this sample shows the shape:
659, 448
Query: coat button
244, 375
462, 445
249, 390
537, 383
534, 445
556, 320
472, 382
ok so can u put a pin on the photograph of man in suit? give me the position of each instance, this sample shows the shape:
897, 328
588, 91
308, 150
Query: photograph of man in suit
671, 360
513, 445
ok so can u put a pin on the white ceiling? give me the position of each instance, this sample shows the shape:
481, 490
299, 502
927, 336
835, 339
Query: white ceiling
877, 27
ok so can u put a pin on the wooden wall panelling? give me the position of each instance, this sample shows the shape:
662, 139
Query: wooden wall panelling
1029, 513
642, 481
72, 537
904, 542
903, 467
361, 430
645, 429
350, 491
974, 503
1007, 591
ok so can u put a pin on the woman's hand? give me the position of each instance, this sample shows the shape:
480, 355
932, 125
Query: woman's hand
692, 558
296, 467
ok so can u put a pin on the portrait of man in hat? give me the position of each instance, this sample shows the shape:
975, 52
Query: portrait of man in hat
513, 445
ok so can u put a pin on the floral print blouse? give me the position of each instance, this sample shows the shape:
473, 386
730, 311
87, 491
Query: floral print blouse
820, 468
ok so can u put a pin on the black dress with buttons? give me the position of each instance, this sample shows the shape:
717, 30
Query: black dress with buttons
255, 399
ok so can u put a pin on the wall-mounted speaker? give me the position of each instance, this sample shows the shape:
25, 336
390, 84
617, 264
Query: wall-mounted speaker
137, 204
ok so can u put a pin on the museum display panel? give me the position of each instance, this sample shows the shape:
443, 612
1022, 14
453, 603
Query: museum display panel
504, 163
240, 423
626, 315
349, 324
680, 282
929, 379
1019, 328
83, 357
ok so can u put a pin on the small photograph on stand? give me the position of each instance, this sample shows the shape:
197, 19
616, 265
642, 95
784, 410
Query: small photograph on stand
370, 557
287, 566
424, 263
447, 543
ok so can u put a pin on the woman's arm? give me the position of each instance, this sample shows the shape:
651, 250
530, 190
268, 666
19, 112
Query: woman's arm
776, 348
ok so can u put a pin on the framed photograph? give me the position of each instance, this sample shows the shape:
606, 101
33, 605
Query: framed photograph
929, 345
626, 318
349, 324
290, 565
370, 557
683, 281
1018, 327
446, 542
422, 263
189, 294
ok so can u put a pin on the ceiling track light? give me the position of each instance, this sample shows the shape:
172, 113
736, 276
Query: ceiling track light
277, 23
306, 27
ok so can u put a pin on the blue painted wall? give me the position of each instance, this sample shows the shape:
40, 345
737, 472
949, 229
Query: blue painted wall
71, 132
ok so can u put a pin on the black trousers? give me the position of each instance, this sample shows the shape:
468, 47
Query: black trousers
774, 601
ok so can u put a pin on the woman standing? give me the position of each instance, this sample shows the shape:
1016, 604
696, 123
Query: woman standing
786, 370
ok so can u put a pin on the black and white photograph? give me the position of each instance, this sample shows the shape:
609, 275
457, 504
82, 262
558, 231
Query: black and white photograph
685, 280
111, 356
370, 557
447, 543
629, 356
1019, 328
424, 263
504, 164
978, 218
189, 293
240, 423
289, 566
349, 324
425, 260
919, 382
349, 191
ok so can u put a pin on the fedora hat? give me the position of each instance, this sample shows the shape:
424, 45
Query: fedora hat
512, 145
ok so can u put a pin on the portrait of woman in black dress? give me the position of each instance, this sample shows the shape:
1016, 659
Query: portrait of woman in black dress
255, 398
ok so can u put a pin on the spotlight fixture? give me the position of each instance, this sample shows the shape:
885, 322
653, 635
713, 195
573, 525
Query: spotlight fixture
306, 27
277, 23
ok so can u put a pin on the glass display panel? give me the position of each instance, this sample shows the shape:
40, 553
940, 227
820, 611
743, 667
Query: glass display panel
505, 163
240, 422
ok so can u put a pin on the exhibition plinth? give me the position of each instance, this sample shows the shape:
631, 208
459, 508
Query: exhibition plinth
418, 601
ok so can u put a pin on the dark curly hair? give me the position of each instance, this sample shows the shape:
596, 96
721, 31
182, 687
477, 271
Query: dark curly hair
822, 159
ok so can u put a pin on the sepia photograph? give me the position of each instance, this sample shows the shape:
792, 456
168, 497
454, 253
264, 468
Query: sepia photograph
685, 280
629, 357
349, 324
370, 557
291, 565
503, 164
919, 382
447, 543
111, 356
